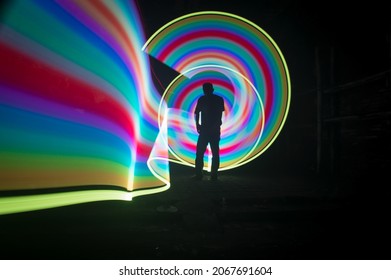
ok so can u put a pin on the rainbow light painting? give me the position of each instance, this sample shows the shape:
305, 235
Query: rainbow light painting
76, 104
78, 107
248, 71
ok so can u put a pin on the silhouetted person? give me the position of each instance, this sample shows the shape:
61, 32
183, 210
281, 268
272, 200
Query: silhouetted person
210, 107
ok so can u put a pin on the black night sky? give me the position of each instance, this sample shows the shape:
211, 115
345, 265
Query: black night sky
358, 33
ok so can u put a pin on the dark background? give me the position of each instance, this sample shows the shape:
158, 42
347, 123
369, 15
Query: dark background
338, 55
321, 191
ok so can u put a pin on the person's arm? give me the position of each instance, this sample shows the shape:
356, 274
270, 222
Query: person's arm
197, 121
197, 115
222, 108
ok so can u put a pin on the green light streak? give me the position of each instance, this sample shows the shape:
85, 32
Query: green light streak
16, 204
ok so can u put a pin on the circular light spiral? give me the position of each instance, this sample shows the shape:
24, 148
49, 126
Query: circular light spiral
247, 69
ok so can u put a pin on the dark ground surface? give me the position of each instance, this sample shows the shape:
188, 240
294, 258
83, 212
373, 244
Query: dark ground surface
241, 216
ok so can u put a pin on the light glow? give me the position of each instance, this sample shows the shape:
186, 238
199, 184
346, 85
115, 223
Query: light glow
78, 106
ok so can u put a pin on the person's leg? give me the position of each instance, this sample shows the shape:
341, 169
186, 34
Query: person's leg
214, 146
202, 143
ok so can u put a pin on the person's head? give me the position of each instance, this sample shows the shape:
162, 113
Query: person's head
208, 88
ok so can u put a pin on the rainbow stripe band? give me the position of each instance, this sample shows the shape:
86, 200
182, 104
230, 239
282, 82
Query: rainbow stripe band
77, 105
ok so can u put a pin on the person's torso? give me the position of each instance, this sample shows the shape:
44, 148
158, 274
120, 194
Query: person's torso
211, 108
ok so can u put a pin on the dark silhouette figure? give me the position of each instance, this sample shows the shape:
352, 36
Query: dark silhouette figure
210, 108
